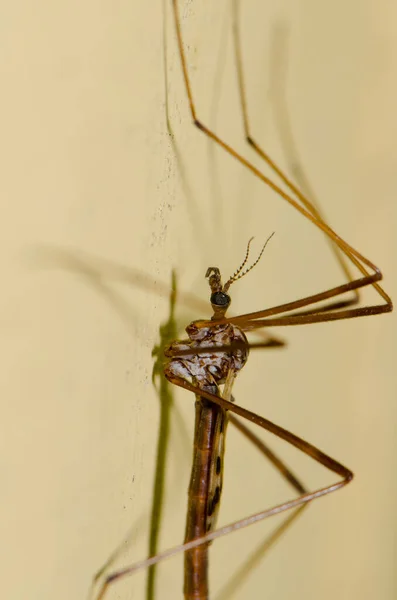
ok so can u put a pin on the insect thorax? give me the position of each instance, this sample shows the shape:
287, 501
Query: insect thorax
205, 368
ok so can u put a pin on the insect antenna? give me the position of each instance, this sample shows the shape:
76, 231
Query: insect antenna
244, 261
238, 274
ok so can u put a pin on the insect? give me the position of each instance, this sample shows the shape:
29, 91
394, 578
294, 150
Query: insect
202, 371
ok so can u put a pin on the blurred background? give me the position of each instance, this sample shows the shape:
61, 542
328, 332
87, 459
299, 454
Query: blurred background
100, 204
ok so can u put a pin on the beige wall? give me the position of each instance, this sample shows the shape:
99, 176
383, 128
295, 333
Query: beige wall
92, 190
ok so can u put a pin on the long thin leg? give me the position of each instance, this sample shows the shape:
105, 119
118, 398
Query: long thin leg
308, 449
311, 205
353, 255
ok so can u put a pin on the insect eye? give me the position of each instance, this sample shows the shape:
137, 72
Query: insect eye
220, 299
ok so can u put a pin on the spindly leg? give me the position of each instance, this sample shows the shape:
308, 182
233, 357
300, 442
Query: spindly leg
345, 476
306, 209
304, 197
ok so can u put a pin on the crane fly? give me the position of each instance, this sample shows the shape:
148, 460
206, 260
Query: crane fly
217, 349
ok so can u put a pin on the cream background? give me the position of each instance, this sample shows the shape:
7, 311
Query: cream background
90, 177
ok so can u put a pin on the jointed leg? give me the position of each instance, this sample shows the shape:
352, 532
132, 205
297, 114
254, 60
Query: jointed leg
309, 211
310, 450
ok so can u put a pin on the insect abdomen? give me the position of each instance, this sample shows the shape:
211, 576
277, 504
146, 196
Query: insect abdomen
204, 493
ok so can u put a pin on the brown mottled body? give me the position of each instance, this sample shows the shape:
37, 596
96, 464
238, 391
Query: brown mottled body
206, 370
204, 492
